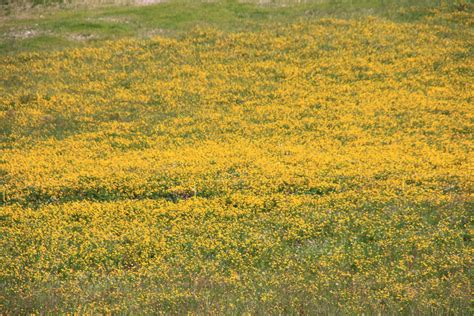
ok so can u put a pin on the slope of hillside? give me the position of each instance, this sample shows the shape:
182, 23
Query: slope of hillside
320, 166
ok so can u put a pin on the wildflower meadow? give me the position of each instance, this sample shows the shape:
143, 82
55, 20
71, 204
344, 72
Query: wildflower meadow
300, 164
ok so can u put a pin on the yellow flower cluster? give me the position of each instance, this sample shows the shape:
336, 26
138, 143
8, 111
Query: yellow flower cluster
318, 167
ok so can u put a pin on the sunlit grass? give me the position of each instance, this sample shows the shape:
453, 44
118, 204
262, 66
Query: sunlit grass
265, 160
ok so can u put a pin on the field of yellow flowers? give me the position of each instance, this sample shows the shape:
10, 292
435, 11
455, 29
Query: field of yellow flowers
313, 167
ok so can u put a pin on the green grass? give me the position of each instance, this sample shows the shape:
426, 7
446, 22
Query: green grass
50, 29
